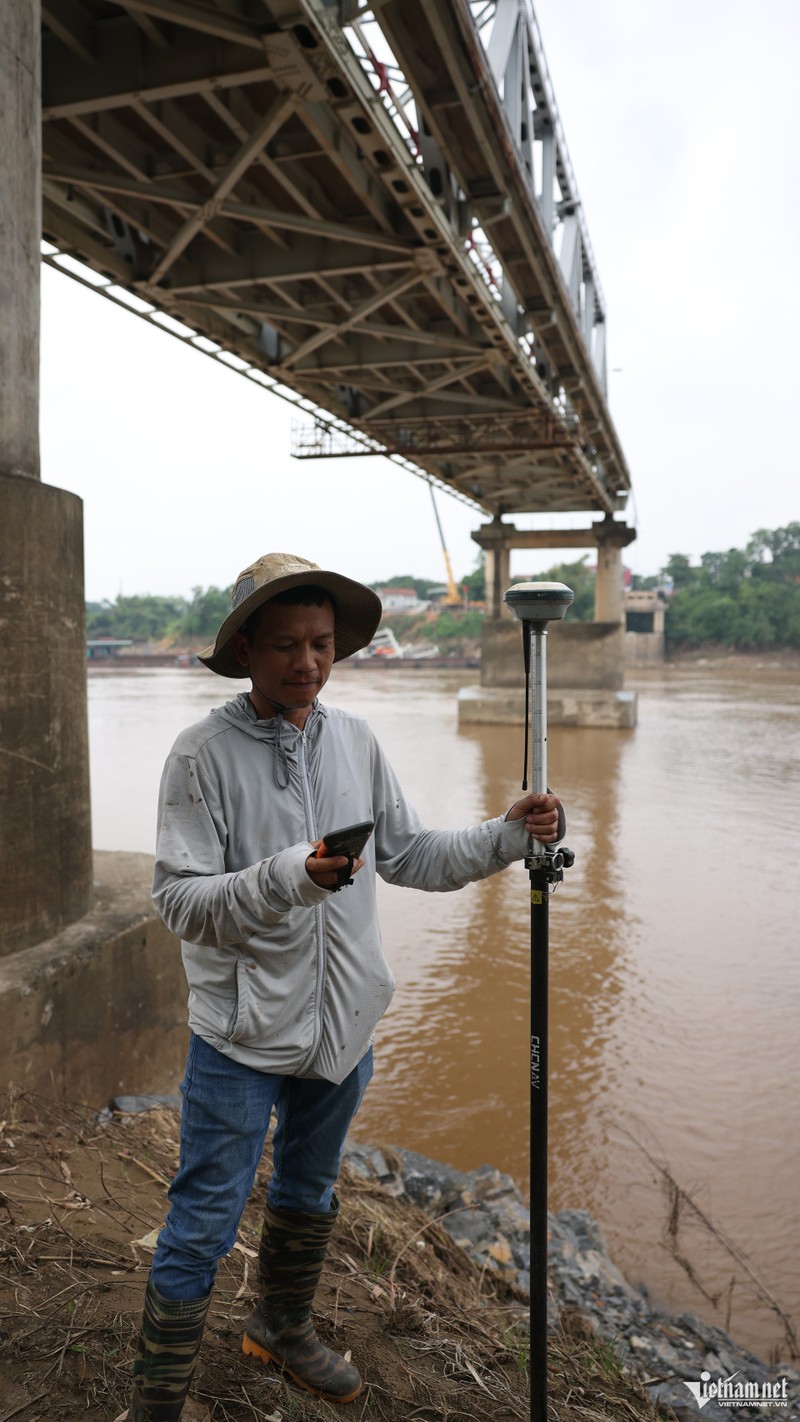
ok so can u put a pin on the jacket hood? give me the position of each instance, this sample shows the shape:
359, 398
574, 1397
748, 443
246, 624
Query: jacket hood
241, 713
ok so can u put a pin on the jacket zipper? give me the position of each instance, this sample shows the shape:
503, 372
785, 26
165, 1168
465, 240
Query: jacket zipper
318, 910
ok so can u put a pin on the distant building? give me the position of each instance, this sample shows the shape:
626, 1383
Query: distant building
644, 610
102, 649
401, 600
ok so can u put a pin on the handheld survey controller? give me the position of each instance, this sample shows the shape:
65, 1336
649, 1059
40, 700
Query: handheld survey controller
349, 841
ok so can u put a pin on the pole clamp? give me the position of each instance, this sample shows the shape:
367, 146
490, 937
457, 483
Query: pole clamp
549, 868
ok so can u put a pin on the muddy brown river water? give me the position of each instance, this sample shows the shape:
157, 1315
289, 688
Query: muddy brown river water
675, 971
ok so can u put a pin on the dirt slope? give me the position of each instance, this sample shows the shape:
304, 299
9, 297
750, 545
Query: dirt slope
433, 1337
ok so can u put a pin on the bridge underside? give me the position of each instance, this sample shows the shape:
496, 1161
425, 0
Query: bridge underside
236, 168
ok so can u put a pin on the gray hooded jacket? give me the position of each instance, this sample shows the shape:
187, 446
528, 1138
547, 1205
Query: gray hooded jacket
283, 975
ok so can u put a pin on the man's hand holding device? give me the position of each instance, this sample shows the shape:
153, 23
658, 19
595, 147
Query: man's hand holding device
337, 856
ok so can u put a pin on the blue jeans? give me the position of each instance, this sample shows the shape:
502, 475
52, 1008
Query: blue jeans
224, 1123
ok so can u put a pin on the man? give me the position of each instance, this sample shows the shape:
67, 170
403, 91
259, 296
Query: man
282, 953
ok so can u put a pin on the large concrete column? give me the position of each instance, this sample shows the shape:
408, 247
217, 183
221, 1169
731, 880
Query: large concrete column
20, 234
496, 539
498, 564
611, 539
608, 585
45, 839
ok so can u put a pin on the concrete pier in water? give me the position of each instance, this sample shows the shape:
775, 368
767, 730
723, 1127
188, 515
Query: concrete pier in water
585, 677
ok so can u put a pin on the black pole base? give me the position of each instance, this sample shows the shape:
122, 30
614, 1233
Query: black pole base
540, 895
545, 871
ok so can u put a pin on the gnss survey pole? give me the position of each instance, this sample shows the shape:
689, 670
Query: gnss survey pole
536, 604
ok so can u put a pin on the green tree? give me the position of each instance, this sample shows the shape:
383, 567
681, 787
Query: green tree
421, 586
142, 618
757, 625
679, 569
581, 579
775, 553
99, 620
202, 616
748, 598
725, 570
450, 626
475, 582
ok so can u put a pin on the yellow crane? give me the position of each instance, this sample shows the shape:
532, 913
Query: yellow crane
453, 597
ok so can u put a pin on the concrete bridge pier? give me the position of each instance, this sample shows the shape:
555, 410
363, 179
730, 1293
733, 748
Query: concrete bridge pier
493, 539
92, 1000
45, 864
585, 659
611, 538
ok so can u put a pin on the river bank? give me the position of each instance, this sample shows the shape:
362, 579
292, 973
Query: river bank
426, 1282
589, 1297
435, 1334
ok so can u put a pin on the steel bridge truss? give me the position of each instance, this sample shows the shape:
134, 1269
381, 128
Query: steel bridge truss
367, 209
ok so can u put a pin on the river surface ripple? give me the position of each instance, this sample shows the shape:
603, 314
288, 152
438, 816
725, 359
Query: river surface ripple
675, 976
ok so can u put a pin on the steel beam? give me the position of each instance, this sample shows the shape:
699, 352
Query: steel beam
208, 19
162, 195
365, 353
461, 372
359, 313
69, 20
127, 71
406, 346
270, 123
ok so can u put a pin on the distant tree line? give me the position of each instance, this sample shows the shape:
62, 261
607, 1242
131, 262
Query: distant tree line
744, 598
175, 620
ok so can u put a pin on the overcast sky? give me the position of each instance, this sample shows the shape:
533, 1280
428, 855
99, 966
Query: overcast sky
682, 123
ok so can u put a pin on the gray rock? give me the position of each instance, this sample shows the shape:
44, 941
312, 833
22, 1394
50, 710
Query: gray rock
471, 1225
490, 1184
133, 1105
371, 1164
510, 1217
433, 1186
522, 1254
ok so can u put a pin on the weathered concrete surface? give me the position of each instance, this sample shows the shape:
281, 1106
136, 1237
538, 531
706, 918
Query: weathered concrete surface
580, 655
45, 844
99, 1009
20, 235
643, 642
644, 647
45, 832
584, 677
500, 706
608, 583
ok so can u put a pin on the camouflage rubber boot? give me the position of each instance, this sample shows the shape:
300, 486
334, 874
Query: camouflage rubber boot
168, 1345
290, 1259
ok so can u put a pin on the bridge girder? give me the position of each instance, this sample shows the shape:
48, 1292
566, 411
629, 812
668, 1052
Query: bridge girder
235, 167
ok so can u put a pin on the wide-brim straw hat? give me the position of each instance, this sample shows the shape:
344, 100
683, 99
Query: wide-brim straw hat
357, 608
